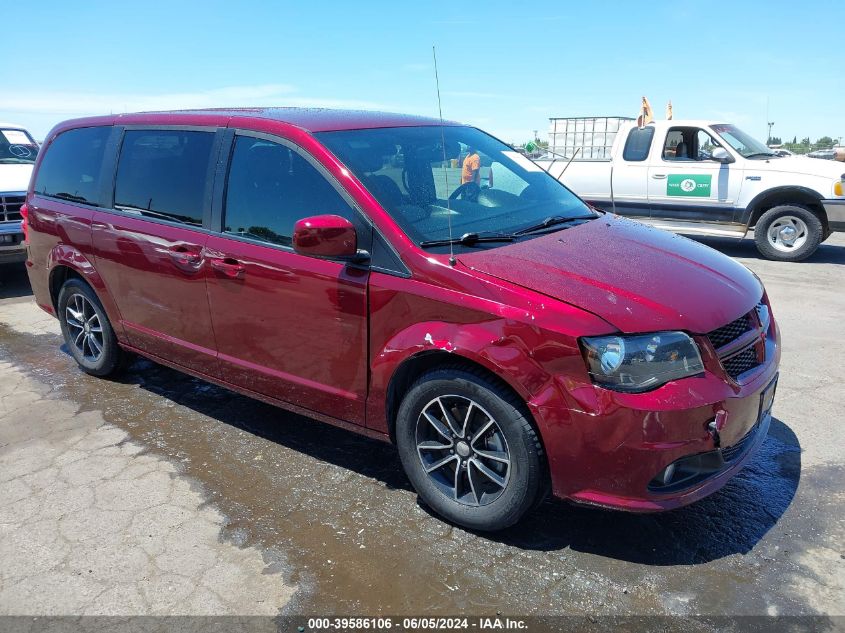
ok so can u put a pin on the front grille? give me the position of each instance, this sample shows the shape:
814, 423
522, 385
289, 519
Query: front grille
741, 363
10, 208
730, 332
737, 362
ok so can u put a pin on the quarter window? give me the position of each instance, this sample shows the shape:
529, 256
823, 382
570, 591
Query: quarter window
638, 144
71, 167
162, 174
270, 187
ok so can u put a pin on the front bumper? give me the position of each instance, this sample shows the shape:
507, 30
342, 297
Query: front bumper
835, 210
12, 247
612, 449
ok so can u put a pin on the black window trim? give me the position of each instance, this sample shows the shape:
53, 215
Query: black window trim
209, 178
650, 128
363, 225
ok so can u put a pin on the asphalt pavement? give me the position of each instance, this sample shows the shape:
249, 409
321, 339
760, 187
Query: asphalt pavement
160, 493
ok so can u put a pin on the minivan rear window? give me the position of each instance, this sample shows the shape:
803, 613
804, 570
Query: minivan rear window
71, 167
162, 174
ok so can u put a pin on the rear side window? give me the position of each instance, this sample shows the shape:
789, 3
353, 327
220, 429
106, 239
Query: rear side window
71, 167
270, 187
162, 174
638, 143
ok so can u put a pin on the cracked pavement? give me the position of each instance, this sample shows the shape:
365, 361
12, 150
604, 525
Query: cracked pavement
160, 494
91, 523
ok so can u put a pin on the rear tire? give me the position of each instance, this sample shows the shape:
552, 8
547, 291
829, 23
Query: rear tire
87, 331
788, 233
492, 469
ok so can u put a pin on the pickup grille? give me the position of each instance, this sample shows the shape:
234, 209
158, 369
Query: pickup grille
738, 361
10, 208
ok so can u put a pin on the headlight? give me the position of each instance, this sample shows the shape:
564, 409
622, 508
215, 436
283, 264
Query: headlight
642, 362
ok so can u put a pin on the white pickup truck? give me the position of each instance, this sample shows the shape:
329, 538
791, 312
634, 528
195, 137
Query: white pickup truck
18, 151
701, 178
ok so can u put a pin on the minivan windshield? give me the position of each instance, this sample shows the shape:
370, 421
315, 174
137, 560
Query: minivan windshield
743, 143
491, 193
17, 147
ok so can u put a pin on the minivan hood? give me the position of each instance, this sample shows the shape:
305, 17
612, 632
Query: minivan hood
14, 178
636, 277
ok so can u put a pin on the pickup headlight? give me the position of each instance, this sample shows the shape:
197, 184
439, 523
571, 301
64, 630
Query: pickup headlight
642, 362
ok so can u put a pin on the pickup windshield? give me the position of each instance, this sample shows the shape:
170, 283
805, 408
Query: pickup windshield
17, 147
743, 143
483, 186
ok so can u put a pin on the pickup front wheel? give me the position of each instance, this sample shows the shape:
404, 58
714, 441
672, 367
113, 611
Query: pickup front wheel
788, 233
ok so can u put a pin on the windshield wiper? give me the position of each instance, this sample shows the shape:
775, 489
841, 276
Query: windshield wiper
468, 239
548, 223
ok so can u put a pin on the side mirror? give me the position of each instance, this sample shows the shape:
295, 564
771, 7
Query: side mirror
327, 236
720, 155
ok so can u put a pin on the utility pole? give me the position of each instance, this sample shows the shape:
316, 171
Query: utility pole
536, 138
770, 124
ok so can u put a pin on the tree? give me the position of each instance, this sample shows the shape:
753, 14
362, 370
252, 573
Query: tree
805, 140
795, 140
774, 140
825, 141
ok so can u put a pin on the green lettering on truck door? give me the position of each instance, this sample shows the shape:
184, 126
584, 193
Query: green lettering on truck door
690, 185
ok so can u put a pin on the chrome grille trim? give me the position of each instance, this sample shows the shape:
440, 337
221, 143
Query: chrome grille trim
10, 207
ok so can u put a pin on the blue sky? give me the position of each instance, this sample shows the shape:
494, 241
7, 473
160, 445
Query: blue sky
504, 66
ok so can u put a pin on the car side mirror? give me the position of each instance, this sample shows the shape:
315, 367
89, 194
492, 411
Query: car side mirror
328, 237
720, 155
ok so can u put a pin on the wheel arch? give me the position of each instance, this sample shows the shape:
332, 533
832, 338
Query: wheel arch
414, 366
420, 363
771, 198
65, 262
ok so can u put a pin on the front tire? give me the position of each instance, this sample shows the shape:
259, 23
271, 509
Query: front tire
788, 233
87, 331
469, 449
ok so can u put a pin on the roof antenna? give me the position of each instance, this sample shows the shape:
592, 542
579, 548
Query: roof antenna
452, 260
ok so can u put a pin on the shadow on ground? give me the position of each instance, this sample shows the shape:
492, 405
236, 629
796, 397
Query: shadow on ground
729, 522
14, 281
826, 253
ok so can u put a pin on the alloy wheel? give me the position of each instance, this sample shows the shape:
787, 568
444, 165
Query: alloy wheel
84, 327
463, 450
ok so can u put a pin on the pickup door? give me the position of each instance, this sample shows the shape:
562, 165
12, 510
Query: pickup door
689, 192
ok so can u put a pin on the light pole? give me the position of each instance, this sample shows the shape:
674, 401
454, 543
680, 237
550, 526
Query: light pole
770, 124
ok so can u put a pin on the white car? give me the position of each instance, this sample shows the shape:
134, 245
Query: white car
703, 178
18, 151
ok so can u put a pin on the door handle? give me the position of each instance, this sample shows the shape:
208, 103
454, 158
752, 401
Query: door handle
186, 256
230, 267
658, 176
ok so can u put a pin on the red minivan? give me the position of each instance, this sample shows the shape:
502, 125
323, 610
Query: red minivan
507, 337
